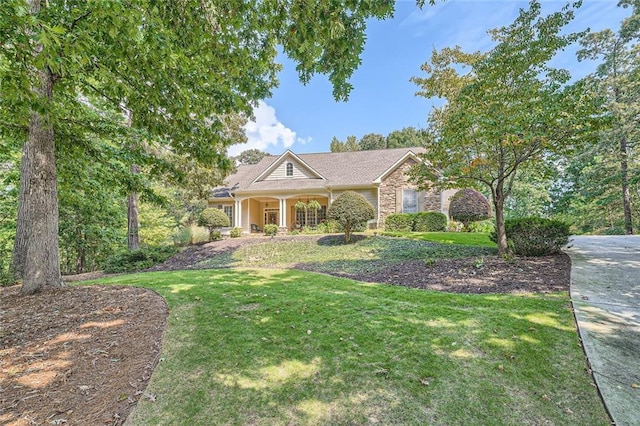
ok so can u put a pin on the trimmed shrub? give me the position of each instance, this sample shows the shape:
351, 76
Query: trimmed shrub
270, 230
213, 219
137, 260
351, 210
429, 222
235, 232
469, 205
399, 222
535, 236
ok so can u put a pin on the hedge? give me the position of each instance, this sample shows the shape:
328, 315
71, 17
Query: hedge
417, 222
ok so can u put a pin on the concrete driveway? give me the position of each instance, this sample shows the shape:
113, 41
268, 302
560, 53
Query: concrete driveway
605, 291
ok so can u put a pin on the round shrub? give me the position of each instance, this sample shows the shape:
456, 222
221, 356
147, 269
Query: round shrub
350, 210
213, 219
535, 236
270, 230
399, 222
235, 232
429, 222
469, 205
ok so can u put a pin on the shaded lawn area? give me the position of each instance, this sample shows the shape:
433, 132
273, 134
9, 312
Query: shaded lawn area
329, 254
290, 347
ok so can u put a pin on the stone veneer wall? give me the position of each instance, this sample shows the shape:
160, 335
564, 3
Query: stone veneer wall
398, 180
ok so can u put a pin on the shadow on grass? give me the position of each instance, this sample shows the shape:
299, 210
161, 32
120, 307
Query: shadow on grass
282, 347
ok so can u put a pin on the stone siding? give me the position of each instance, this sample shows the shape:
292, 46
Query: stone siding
398, 179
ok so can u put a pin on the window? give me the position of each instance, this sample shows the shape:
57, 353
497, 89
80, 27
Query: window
289, 169
409, 201
228, 210
311, 218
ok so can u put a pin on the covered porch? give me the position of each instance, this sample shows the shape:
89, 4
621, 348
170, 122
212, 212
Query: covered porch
254, 212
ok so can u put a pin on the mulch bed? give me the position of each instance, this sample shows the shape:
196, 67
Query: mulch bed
84, 355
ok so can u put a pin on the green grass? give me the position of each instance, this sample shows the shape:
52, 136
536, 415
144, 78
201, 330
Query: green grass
276, 347
475, 239
328, 254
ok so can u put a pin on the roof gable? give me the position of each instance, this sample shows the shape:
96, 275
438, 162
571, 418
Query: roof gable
277, 169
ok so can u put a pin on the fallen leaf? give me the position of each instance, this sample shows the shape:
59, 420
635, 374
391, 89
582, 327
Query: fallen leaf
635, 385
501, 367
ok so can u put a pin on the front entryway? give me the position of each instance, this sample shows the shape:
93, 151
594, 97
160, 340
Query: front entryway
271, 216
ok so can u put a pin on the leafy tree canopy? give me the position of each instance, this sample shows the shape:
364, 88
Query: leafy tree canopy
250, 156
506, 108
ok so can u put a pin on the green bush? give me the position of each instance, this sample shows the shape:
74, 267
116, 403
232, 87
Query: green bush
534, 236
398, 222
270, 230
429, 222
235, 232
215, 235
351, 210
137, 260
213, 219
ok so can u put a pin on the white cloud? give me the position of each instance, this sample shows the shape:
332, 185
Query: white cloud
265, 132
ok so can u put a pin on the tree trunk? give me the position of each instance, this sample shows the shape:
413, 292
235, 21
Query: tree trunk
19, 256
133, 240
498, 205
626, 196
37, 250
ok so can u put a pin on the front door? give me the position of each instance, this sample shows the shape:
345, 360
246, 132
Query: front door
271, 216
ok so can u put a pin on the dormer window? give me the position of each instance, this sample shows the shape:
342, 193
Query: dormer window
289, 169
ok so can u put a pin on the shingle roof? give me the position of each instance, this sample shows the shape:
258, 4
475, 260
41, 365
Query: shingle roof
340, 169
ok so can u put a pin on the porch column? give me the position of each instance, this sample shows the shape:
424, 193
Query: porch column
238, 214
283, 213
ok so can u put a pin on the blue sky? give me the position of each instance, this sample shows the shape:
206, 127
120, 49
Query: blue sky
306, 118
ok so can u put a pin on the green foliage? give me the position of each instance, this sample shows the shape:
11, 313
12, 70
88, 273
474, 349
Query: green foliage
191, 234
156, 226
534, 236
235, 232
270, 230
350, 210
401, 222
215, 235
483, 227
429, 222
508, 110
138, 260
417, 222
213, 219
250, 156
469, 205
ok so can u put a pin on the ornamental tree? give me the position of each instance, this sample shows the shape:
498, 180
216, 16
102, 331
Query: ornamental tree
350, 210
213, 220
506, 109
469, 205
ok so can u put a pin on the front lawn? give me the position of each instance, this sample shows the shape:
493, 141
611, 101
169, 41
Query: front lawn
476, 239
328, 254
275, 347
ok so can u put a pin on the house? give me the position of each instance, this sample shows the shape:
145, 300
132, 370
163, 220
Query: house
266, 193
